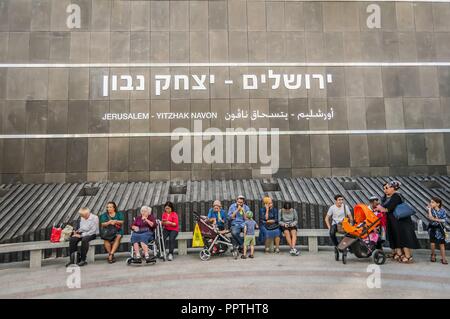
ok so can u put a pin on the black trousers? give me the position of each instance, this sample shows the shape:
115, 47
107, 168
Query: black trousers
172, 235
333, 231
73, 245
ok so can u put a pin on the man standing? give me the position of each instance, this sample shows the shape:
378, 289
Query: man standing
236, 214
87, 231
335, 217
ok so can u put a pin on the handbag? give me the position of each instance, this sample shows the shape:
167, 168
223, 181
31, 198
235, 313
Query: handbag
272, 226
109, 232
55, 235
66, 233
403, 210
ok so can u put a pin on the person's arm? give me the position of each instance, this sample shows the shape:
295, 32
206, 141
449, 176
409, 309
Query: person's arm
104, 220
295, 221
282, 223
262, 215
245, 230
349, 213
120, 219
211, 217
134, 226
174, 222
392, 203
328, 217
231, 212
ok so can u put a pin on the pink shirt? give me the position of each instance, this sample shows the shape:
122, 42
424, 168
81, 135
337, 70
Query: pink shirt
173, 218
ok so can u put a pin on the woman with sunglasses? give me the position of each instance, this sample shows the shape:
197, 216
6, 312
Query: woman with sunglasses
400, 232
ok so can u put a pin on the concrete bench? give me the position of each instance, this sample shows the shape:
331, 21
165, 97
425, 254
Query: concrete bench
36, 248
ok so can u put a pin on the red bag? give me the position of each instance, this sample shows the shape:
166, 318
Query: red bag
56, 234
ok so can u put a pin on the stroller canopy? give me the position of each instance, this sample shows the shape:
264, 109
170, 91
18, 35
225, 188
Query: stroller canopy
365, 222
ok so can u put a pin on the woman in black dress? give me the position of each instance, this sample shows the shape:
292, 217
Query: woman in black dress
400, 232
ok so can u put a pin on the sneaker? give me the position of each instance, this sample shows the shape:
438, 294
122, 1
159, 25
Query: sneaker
292, 252
267, 250
82, 263
251, 256
243, 257
170, 257
277, 251
295, 252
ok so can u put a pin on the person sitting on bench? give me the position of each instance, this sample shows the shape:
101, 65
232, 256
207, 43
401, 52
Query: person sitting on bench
87, 231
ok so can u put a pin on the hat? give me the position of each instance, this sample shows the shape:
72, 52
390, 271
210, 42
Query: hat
241, 197
249, 214
217, 203
373, 198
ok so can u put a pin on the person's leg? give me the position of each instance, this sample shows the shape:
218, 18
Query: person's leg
294, 237
267, 244
442, 249
73, 244
85, 246
116, 244
252, 249
244, 253
172, 240
136, 250
107, 245
145, 249
287, 235
235, 235
433, 252
73, 247
333, 237
277, 242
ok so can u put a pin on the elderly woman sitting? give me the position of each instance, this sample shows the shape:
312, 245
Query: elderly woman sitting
143, 232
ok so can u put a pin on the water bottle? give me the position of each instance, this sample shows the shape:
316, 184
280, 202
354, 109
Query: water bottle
420, 226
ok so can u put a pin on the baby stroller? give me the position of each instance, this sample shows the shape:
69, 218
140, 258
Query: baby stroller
216, 241
363, 237
156, 245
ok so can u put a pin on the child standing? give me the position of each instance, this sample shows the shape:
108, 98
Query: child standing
437, 217
249, 235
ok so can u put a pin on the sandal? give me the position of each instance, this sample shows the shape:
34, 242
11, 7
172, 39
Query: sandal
433, 258
407, 260
110, 259
113, 259
444, 262
397, 257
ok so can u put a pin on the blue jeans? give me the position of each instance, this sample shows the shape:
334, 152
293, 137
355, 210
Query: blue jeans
236, 238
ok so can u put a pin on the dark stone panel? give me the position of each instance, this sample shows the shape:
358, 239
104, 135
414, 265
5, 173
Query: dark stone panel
56, 155
409, 81
278, 106
59, 47
339, 151
13, 156
12, 178
282, 173
57, 117
444, 81
378, 153
77, 155
426, 50
86, 13
4, 17
391, 82
36, 112
35, 156
241, 174
320, 151
119, 154
218, 15
447, 147
3, 79
417, 152
139, 154
375, 113
40, 15
413, 113
340, 120
397, 150
390, 46
39, 47
437, 170
14, 117
97, 110
76, 177
33, 178
19, 15
78, 113
337, 87
160, 154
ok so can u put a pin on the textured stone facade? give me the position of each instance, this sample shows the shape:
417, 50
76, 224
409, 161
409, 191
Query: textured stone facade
70, 100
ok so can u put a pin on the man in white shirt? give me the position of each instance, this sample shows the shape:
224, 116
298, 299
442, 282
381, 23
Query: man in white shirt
336, 215
87, 231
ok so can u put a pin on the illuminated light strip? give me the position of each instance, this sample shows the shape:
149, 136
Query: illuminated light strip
263, 132
221, 64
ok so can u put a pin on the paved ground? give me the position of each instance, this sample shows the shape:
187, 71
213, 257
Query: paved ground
266, 276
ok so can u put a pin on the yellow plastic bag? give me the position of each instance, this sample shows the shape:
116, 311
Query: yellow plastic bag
197, 239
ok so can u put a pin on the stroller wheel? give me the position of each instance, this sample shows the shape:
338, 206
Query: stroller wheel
235, 253
336, 254
128, 261
205, 255
344, 258
379, 257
